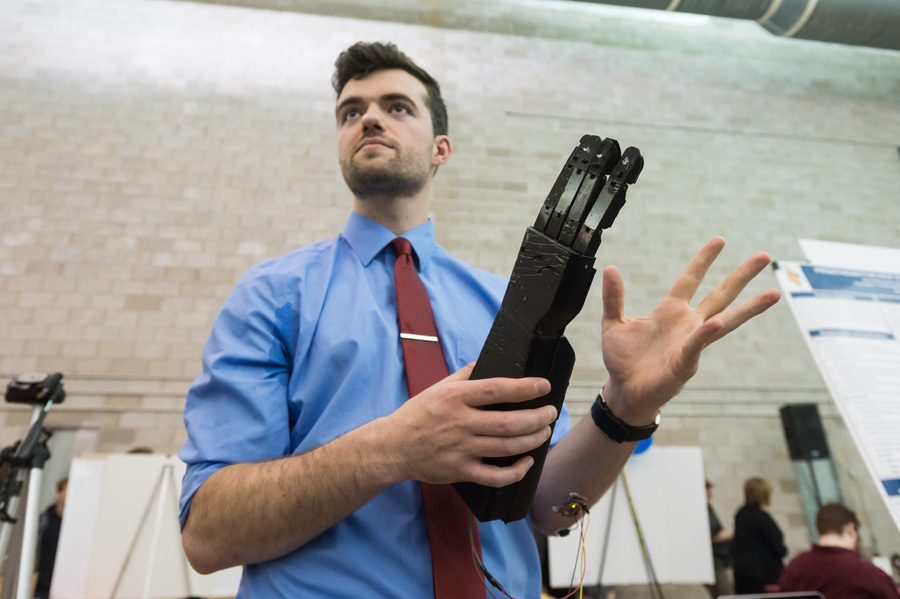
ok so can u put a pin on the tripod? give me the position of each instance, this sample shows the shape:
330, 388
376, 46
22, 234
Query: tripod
26, 463
20, 463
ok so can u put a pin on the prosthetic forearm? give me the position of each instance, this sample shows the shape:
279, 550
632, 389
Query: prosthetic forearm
547, 289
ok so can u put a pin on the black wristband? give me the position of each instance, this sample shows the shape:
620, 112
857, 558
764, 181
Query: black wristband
617, 430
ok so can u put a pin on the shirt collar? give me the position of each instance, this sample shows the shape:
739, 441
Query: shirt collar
831, 549
367, 238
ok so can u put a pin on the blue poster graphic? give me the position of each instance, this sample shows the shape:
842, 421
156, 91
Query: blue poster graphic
823, 278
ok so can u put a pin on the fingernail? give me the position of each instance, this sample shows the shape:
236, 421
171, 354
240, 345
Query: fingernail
552, 413
542, 386
530, 461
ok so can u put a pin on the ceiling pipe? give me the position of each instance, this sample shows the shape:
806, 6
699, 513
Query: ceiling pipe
872, 23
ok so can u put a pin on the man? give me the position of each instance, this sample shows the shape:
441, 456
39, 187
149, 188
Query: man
48, 535
721, 540
305, 450
833, 566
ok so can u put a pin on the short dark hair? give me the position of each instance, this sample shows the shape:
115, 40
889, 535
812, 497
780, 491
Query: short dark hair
833, 517
364, 58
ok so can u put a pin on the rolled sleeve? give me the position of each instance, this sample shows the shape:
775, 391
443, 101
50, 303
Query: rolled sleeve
237, 409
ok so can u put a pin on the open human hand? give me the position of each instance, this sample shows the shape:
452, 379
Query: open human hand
649, 359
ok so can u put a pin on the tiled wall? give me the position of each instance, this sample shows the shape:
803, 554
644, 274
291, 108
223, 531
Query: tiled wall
152, 150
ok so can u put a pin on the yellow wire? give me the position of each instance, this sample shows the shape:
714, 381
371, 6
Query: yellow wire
583, 533
584, 554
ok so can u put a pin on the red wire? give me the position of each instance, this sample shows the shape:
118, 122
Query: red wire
583, 551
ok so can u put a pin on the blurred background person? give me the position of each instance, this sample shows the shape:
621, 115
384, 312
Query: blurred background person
721, 549
48, 538
834, 566
758, 545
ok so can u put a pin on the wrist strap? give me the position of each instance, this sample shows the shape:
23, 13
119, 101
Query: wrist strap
615, 428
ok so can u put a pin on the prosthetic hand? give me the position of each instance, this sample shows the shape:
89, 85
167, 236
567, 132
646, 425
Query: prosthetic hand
547, 289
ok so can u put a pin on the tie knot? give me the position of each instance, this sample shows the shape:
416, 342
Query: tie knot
403, 246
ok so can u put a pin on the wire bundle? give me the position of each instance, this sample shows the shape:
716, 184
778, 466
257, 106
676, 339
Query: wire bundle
489, 580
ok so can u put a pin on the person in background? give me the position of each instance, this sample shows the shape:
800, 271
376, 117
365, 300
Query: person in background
721, 549
758, 545
834, 566
48, 538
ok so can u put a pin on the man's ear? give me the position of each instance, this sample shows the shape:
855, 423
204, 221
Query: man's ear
442, 150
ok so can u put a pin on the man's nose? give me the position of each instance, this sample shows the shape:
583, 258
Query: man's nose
371, 119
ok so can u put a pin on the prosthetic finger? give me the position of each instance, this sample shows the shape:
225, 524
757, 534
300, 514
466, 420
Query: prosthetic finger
601, 166
610, 200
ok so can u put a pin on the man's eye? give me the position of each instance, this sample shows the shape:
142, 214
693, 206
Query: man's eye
399, 109
351, 114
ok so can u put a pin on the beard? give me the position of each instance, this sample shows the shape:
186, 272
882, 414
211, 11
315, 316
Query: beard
400, 177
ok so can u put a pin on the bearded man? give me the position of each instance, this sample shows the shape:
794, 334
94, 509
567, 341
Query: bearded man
309, 454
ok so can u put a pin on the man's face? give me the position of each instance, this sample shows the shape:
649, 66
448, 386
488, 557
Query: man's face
61, 496
386, 146
852, 534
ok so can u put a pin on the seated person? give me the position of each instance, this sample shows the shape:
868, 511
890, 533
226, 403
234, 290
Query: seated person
833, 566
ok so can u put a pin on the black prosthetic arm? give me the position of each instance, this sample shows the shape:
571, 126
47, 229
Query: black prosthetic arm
547, 289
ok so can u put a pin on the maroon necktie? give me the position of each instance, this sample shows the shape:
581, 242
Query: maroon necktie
446, 515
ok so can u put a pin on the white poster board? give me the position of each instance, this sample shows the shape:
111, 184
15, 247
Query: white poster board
120, 536
667, 486
850, 319
851, 255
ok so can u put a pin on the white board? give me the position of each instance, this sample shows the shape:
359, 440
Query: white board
850, 320
851, 255
667, 486
77, 529
120, 533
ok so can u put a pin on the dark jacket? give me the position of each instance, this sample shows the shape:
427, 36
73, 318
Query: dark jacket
722, 550
758, 545
48, 535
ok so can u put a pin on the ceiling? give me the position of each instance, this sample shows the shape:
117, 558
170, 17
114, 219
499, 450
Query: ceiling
873, 23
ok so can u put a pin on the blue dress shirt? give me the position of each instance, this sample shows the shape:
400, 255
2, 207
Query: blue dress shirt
307, 348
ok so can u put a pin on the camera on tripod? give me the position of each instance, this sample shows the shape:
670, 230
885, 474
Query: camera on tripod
36, 388
39, 390
24, 462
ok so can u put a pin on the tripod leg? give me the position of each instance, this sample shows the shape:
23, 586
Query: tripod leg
157, 525
137, 533
7, 528
30, 534
12, 548
13, 503
19, 585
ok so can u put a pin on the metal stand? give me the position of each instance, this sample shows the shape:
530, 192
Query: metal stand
652, 581
25, 462
163, 491
815, 483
